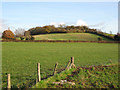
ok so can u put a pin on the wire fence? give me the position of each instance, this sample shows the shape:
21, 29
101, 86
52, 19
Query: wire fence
17, 80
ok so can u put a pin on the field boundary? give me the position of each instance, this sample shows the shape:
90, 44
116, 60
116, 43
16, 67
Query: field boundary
77, 41
38, 78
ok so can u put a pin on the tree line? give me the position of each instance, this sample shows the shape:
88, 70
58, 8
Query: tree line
71, 29
60, 29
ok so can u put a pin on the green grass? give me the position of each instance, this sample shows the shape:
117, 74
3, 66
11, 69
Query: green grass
91, 77
20, 58
70, 36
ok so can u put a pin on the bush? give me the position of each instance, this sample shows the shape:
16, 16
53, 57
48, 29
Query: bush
21, 38
32, 38
117, 37
27, 38
99, 39
8, 34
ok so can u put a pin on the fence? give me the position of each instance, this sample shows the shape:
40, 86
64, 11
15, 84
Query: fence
69, 65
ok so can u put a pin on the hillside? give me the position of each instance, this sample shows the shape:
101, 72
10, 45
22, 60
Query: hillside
84, 77
70, 36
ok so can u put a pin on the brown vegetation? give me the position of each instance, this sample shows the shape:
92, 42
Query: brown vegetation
8, 34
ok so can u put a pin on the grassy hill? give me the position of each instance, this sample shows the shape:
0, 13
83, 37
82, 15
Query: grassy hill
70, 36
84, 77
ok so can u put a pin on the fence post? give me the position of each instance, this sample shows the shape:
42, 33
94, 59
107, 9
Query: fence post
55, 68
67, 66
72, 60
72, 65
9, 83
38, 72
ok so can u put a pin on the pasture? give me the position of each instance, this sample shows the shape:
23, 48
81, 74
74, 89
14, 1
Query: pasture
20, 58
70, 36
84, 77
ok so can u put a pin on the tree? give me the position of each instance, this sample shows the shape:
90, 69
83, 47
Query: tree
19, 32
27, 33
8, 34
117, 37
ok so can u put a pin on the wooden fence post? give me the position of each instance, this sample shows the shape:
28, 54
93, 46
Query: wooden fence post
8, 82
38, 72
55, 68
72, 65
67, 66
72, 60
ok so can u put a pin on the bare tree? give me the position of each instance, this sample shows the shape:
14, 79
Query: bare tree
19, 32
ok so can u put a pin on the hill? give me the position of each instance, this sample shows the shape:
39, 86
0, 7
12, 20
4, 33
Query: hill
84, 77
70, 36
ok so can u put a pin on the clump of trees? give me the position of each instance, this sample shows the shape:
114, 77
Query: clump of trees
8, 34
60, 29
69, 29
23, 35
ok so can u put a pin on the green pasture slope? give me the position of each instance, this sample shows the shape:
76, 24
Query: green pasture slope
20, 58
88, 77
70, 36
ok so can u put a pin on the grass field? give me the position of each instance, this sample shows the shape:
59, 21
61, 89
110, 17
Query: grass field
87, 77
20, 58
70, 36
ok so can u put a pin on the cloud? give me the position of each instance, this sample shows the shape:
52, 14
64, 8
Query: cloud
81, 23
111, 26
78, 23
56, 24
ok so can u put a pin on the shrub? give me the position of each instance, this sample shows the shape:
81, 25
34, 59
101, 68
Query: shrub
21, 38
32, 38
99, 39
117, 37
27, 38
27, 33
8, 34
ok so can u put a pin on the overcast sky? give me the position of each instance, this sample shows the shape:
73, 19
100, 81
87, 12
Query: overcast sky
26, 15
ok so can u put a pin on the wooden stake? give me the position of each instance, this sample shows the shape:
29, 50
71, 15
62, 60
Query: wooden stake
67, 64
38, 71
55, 68
72, 60
72, 65
9, 84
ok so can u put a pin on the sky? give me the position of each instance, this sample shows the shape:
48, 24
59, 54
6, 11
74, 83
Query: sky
100, 15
